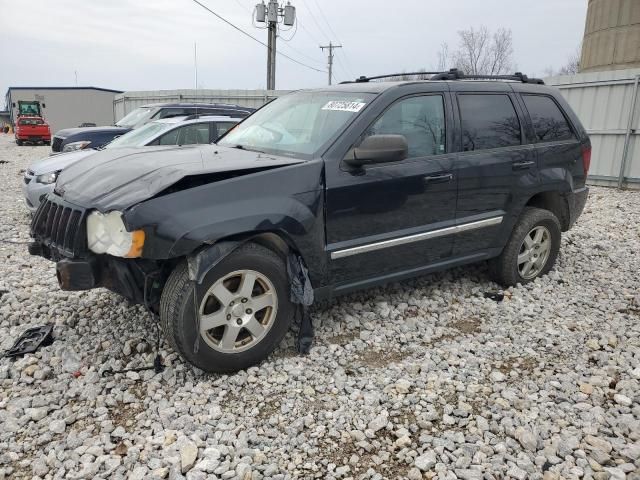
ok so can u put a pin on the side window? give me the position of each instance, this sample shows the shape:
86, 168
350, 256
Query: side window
195, 133
548, 121
488, 121
170, 138
420, 120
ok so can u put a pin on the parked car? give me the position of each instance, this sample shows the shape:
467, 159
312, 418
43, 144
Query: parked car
32, 130
71, 139
40, 177
360, 184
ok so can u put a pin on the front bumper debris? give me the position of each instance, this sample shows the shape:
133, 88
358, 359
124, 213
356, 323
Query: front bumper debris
77, 274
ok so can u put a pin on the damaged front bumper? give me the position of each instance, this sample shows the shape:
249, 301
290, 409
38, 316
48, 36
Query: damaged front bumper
125, 277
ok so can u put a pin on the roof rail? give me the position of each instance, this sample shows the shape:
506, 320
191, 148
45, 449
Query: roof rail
455, 74
193, 116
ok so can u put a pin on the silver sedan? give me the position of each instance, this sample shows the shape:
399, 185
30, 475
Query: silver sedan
40, 178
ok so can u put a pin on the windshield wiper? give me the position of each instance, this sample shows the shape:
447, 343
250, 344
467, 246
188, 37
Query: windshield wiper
242, 147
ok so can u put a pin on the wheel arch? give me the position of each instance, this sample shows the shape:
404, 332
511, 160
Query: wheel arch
206, 257
556, 203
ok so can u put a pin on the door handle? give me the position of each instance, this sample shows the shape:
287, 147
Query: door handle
522, 165
438, 178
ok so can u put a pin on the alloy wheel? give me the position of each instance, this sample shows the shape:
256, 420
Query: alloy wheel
237, 311
534, 252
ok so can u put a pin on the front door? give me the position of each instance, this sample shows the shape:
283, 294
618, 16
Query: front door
391, 218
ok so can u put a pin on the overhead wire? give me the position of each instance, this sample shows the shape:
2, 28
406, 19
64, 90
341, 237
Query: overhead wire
332, 31
255, 39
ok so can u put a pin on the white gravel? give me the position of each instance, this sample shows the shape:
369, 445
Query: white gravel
423, 379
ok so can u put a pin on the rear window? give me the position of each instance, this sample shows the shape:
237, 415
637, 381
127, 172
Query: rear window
488, 121
549, 123
31, 121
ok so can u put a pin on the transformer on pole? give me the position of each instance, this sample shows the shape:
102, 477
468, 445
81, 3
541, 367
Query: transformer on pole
271, 14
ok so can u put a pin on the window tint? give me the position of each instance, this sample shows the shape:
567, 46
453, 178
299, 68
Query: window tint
195, 133
488, 121
420, 120
548, 121
173, 112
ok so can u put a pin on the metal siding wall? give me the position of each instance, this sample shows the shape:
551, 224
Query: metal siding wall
126, 102
70, 108
602, 101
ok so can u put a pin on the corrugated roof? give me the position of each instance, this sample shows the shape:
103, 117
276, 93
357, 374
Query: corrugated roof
65, 88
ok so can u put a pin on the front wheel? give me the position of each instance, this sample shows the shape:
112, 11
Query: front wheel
244, 310
19, 142
531, 250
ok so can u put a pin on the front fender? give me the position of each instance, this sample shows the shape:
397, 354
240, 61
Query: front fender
287, 201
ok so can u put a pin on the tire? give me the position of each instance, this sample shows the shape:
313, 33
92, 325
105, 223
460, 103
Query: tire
19, 142
214, 353
509, 268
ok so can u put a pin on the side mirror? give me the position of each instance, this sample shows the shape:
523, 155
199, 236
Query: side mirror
13, 104
44, 106
378, 149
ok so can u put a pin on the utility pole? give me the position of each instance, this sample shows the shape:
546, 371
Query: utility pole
330, 47
271, 13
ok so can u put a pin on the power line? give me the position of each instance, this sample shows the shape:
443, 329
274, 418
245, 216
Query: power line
313, 17
335, 35
325, 20
255, 39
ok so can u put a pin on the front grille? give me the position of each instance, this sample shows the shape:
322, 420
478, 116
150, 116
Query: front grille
60, 226
56, 144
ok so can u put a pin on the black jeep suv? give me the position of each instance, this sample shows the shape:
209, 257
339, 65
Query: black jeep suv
333, 189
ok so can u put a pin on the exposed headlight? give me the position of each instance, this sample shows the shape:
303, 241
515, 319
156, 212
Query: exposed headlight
47, 178
70, 147
106, 233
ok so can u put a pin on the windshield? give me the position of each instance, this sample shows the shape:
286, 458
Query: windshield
31, 121
139, 115
297, 124
140, 136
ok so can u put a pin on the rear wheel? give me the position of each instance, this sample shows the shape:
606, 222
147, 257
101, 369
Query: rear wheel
244, 310
19, 142
531, 250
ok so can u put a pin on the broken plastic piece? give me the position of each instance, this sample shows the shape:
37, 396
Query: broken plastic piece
301, 293
31, 340
495, 296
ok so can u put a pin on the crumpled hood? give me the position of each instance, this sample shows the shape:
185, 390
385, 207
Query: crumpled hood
67, 132
58, 162
116, 179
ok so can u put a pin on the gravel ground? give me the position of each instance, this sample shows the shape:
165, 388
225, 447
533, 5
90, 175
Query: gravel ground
422, 379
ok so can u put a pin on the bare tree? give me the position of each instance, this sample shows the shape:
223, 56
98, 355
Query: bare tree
482, 52
571, 66
573, 63
443, 57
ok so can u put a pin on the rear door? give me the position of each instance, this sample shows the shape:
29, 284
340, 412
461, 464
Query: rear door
383, 220
557, 143
496, 167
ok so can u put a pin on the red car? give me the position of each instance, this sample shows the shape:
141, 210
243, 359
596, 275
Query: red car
32, 130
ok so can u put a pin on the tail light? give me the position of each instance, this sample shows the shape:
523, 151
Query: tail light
586, 159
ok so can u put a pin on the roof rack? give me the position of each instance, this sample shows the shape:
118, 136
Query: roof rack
194, 116
455, 74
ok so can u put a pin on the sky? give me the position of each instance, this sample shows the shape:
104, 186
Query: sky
149, 44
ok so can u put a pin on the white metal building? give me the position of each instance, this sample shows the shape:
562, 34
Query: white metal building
608, 106
66, 107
